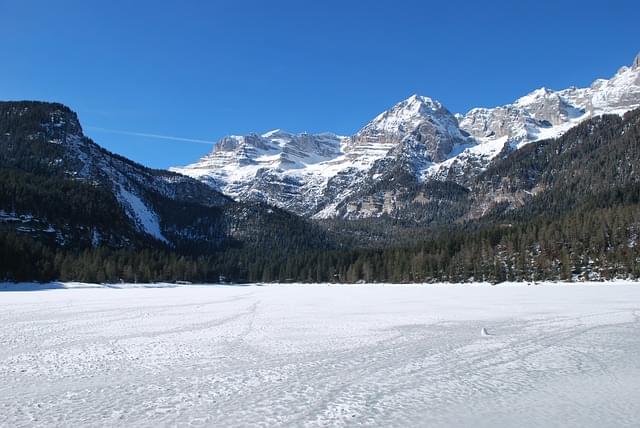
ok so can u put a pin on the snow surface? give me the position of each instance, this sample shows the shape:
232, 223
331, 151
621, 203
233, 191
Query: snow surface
555, 355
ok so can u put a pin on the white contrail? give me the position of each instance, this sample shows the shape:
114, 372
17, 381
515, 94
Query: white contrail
144, 134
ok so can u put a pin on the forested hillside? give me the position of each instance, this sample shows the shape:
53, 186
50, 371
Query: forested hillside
63, 197
565, 208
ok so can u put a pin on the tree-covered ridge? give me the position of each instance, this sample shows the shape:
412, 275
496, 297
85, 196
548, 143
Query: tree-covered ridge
59, 187
561, 209
554, 176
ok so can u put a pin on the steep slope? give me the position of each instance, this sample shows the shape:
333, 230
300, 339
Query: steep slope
403, 184
312, 174
283, 169
554, 209
542, 114
563, 209
413, 135
599, 158
389, 167
59, 186
418, 121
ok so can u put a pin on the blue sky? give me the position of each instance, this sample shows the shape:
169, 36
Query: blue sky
203, 69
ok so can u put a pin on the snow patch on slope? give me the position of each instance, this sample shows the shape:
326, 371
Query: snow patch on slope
144, 217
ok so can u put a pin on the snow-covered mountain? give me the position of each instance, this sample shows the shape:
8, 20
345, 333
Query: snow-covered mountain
541, 114
310, 174
284, 169
326, 175
65, 188
131, 183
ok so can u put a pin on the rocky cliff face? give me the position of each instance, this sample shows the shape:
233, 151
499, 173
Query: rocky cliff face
383, 168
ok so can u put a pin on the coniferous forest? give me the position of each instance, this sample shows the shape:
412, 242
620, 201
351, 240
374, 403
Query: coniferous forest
580, 221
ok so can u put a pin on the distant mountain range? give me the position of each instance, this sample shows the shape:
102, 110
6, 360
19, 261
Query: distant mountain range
59, 185
545, 188
418, 140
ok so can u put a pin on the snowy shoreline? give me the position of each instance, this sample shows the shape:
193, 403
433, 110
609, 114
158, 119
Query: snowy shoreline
35, 286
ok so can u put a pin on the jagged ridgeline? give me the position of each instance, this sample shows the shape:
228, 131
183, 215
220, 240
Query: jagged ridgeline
395, 164
417, 195
566, 208
63, 198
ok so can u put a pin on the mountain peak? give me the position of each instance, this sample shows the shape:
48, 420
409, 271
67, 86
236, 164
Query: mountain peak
418, 101
406, 115
533, 96
316, 174
636, 62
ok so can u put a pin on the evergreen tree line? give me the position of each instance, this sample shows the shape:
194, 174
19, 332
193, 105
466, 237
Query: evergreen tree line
600, 243
584, 224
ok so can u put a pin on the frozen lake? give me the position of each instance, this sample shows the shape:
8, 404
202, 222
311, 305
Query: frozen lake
556, 355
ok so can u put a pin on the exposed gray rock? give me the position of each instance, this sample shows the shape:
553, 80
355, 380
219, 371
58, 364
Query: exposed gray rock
416, 141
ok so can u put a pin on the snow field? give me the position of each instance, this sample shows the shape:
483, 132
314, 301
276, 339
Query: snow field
556, 355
